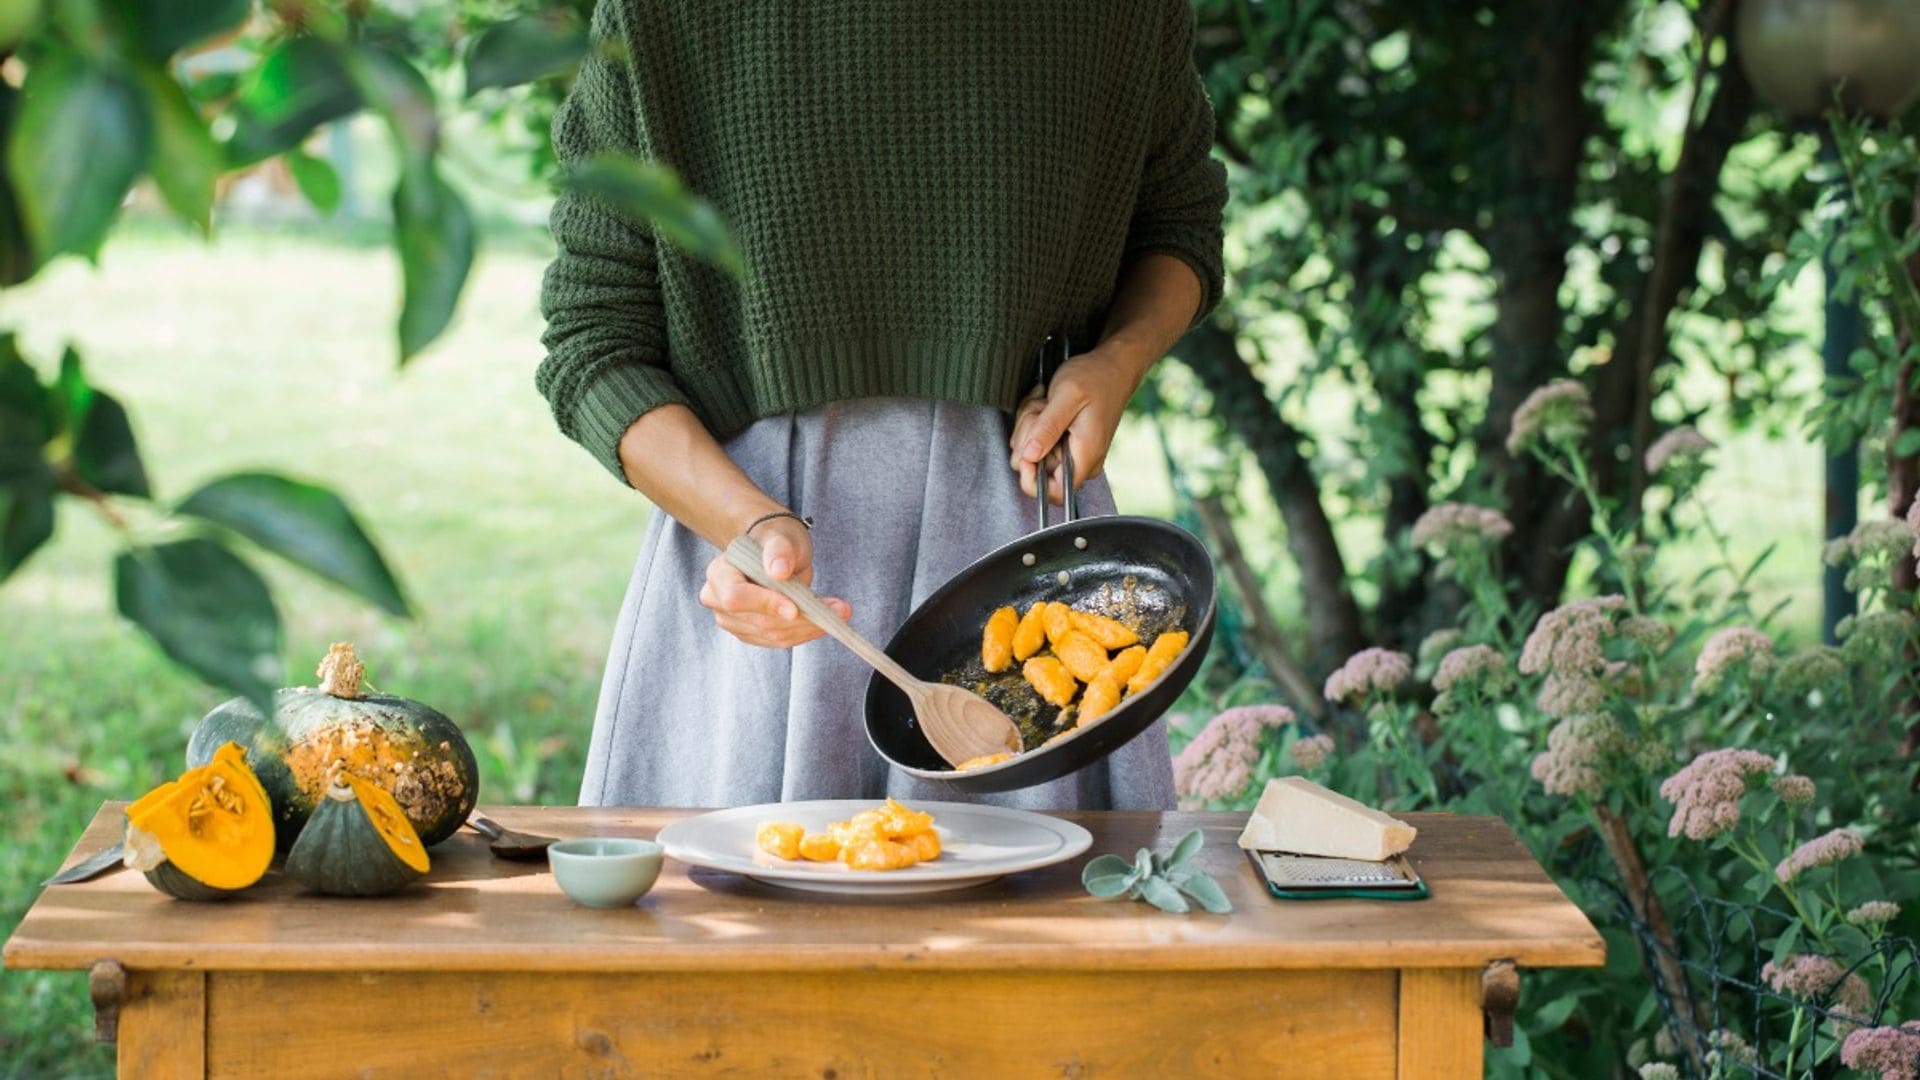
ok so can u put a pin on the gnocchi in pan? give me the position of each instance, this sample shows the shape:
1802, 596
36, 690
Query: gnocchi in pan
1067, 654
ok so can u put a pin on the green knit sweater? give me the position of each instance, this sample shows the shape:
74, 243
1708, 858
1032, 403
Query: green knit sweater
923, 190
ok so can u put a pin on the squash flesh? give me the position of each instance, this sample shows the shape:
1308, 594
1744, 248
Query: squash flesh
213, 824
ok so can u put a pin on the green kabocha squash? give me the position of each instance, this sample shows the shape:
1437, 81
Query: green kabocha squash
409, 749
357, 843
207, 835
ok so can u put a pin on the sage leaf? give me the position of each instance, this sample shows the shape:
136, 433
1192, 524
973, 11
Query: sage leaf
1107, 886
1186, 848
1206, 892
1156, 891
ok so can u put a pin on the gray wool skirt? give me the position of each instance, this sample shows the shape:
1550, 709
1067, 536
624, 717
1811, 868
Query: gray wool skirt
904, 494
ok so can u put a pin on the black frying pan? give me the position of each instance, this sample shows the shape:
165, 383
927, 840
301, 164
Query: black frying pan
1150, 574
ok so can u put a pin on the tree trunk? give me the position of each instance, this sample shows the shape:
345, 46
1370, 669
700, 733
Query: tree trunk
1269, 645
1527, 245
1240, 401
1687, 216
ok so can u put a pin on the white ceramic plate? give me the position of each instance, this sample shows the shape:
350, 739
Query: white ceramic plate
977, 845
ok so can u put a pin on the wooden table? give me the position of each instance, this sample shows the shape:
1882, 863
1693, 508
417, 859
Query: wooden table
486, 969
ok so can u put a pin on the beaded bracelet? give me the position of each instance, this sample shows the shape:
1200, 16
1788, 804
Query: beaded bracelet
764, 518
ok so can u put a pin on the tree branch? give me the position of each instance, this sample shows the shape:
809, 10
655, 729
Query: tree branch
1240, 400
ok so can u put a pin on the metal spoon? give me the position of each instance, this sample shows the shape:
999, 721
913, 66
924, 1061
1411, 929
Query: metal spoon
960, 724
506, 843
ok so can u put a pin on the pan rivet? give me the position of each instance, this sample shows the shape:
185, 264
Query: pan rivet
1028, 559
1080, 542
1063, 577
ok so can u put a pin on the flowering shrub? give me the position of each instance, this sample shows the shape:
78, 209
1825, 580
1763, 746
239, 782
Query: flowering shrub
1656, 746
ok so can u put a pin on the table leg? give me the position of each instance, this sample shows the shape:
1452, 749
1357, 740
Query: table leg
163, 1026
1440, 1024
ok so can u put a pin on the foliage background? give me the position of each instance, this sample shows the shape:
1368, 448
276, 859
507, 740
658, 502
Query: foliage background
1401, 279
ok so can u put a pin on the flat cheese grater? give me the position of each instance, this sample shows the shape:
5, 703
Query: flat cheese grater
1315, 877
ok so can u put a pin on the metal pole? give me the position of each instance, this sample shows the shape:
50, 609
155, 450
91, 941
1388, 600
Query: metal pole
1843, 463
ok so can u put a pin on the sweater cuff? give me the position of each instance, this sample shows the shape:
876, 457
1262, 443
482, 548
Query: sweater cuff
611, 403
1211, 273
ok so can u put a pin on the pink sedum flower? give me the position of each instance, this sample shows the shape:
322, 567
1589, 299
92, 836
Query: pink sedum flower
1571, 638
1812, 976
1795, 790
1455, 526
1823, 850
1706, 793
1726, 648
1312, 751
1469, 663
1369, 671
1893, 1052
1874, 913
1678, 444
1577, 748
1218, 763
1557, 412
1913, 522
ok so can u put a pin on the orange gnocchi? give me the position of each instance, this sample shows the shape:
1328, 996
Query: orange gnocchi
891, 836
996, 645
1031, 633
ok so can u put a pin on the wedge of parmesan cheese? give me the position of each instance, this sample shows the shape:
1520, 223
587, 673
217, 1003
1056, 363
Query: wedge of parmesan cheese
1297, 815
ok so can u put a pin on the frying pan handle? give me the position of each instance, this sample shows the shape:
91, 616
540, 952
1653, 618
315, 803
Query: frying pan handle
1053, 353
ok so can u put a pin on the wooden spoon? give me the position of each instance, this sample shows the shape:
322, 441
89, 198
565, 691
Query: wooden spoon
960, 724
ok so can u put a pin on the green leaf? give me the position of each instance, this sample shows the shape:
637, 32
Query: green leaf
80, 141
524, 49
166, 26
299, 86
1160, 894
17, 261
434, 233
99, 441
18, 18
1104, 866
186, 159
1186, 848
207, 610
1107, 886
104, 453
27, 416
1908, 444
404, 98
26, 519
316, 178
305, 524
652, 195
1207, 893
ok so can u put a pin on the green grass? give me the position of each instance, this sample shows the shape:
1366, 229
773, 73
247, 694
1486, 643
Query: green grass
271, 351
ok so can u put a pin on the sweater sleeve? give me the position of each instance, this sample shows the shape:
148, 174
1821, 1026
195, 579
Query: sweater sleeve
1182, 188
606, 334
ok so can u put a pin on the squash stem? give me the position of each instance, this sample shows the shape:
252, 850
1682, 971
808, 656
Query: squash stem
340, 671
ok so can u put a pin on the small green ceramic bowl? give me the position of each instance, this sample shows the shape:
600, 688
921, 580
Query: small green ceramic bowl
605, 871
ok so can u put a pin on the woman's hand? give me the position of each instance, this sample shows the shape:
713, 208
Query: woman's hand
760, 616
1084, 401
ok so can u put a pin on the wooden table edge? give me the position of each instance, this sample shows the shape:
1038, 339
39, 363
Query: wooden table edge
1028, 957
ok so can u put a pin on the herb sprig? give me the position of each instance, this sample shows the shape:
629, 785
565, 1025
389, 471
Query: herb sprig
1165, 881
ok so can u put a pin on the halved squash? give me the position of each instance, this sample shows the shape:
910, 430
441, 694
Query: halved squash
357, 843
206, 835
